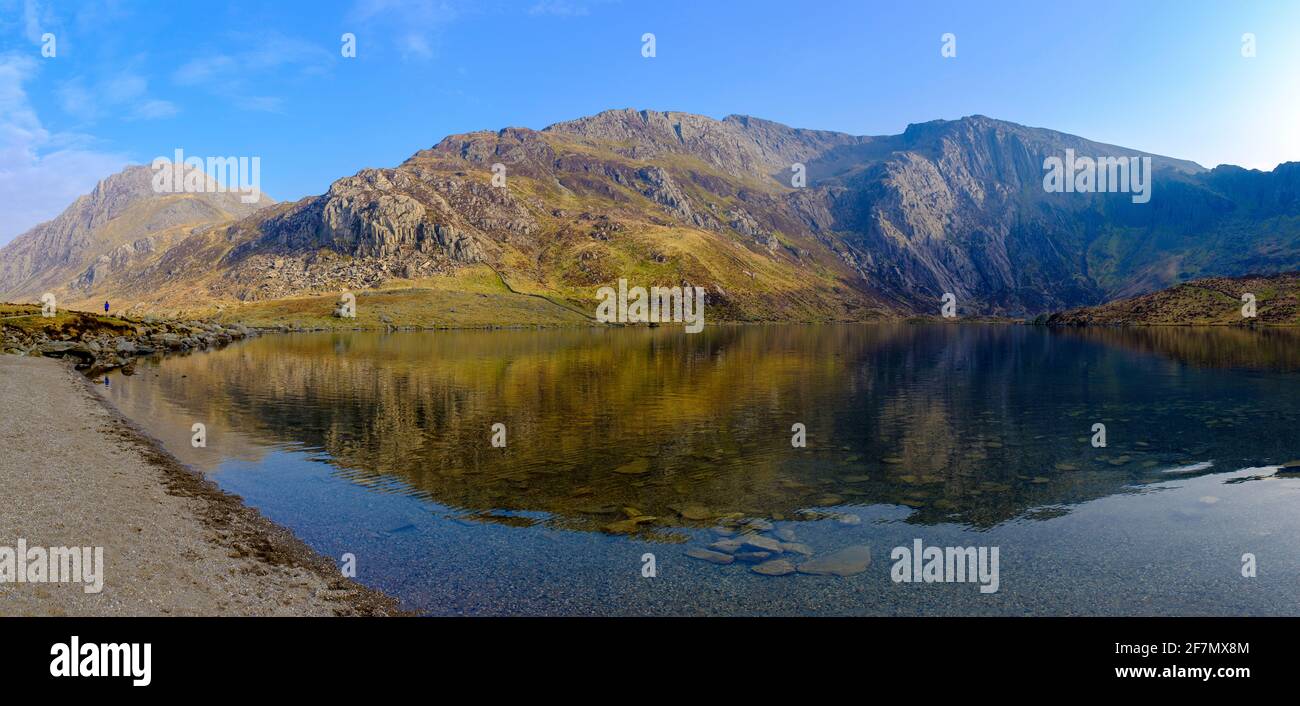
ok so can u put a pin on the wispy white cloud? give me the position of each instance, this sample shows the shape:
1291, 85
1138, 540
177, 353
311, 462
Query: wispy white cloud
124, 94
198, 71
40, 172
262, 104
241, 76
412, 26
26, 20
35, 18
95, 14
154, 109
76, 99
123, 87
122, 91
564, 8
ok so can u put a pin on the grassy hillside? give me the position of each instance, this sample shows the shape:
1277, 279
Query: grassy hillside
26, 319
1214, 301
476, 298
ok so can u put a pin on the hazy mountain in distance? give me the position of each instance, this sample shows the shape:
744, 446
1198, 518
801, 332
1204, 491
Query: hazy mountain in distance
883, 226
119, 227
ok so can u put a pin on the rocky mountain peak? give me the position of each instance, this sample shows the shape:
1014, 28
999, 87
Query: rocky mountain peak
121, 220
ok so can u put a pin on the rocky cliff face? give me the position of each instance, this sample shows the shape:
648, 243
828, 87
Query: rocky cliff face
737, 145
883, 225
959, 206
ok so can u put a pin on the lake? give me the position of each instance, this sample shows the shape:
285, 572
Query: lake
625, 442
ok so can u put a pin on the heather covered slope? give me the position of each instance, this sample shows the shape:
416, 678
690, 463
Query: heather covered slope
577, 212
1214, 301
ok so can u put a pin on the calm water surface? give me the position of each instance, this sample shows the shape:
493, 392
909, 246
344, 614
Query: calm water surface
379, 445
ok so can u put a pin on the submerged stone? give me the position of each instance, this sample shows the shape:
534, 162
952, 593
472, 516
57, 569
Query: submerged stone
695, 512
752, 557
710, 556
760, 543
845, 562
726, 546
634, 468
797, 548
776, 567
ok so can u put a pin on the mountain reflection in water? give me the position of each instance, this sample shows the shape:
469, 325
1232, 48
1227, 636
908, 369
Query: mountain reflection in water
968, 425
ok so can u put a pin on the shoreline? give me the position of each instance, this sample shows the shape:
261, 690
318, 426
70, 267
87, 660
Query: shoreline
103, 343
79, 473
1239, 327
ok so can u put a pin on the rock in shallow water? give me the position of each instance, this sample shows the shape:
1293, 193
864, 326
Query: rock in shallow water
759, 543
710, 556
776, 567
634, 468
694, 512
845, 562
797, 548
628, 526
753, 557
726, 546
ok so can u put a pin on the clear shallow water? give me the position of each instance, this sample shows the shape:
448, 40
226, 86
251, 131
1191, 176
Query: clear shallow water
379, 445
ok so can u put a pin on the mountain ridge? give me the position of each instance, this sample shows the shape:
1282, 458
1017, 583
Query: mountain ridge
884, 227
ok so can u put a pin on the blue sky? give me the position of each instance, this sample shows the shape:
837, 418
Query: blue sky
134, 80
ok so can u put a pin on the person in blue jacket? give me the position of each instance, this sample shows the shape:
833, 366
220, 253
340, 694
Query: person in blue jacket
105, 308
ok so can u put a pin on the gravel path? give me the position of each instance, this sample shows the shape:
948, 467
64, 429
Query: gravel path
73, 472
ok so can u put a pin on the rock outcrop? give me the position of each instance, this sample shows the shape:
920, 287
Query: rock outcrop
98, 343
